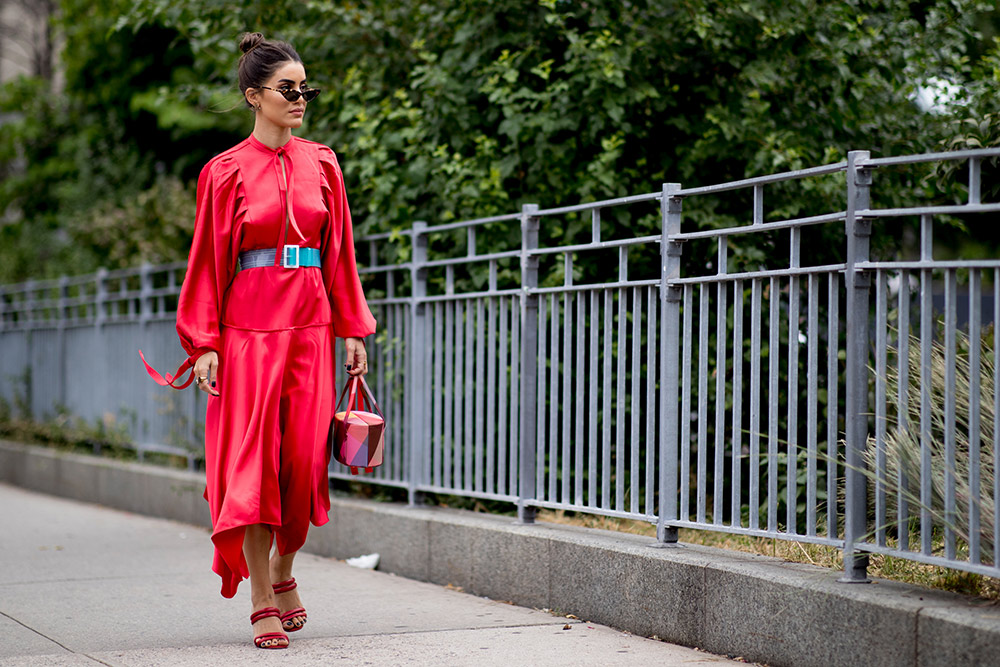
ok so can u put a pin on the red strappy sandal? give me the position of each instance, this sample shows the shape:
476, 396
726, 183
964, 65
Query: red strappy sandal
268, 612
290, 616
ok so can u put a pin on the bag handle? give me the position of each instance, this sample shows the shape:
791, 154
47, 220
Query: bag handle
369, 396
354, 399
350, 384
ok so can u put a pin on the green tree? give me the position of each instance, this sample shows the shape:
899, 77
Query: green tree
90, 176
455, 109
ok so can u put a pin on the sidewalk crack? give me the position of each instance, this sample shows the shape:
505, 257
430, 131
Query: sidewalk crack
54, 641
40, 634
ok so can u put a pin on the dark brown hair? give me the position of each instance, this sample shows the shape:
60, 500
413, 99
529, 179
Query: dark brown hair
261, 57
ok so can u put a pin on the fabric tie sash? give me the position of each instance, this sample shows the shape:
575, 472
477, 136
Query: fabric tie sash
169, 380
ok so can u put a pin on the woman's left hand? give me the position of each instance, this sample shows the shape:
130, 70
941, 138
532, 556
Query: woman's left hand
357, 356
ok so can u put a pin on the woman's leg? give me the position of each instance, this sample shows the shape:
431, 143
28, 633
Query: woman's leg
256, 547
307, 405
281, 570
281, 566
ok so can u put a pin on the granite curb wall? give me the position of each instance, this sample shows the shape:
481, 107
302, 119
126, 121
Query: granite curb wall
725, 602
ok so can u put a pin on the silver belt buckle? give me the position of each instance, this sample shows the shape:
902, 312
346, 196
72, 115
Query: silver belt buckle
286, 260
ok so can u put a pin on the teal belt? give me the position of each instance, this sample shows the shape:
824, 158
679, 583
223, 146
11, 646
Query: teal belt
293, 257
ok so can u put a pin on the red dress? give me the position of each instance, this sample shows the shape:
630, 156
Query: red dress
273, 328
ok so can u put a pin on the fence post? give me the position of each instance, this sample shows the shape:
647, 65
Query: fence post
858, 231
416, 351
529, 364
670, 344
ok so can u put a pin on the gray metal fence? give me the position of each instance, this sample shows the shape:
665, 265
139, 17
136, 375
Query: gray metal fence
837, 403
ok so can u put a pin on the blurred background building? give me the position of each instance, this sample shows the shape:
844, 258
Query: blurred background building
28, 42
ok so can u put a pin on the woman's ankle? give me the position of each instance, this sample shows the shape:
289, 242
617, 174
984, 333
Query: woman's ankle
280, 568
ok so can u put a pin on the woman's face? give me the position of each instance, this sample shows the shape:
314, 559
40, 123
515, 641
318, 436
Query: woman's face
274, 107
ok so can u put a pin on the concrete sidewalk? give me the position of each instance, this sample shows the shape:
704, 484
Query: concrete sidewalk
83, 585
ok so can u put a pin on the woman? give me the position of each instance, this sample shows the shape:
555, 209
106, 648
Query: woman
261, 337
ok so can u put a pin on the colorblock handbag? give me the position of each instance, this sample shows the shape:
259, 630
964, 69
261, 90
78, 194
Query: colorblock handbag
357, 436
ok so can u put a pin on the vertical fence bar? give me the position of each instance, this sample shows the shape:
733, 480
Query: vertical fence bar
737, 446
685, 439
515, 401
438, 414
950, 326
758, 204
554, 376
652, 305
379, 360
620, 357
100, 299
881, 416
858, 233
458, 451
975, 324
635, 391
145, 295
592, 435
129, 304
491, 383
832, 402
974, 181
567, 402
926, 341
702, 400
449, 437
606, 405
28, 324
471, 441
812, 388
544, 403
792, 433
491, 380
581, 364
670, 303
528, 363
903, 405
506, 429
755, 404
62, 370
773, 403
721, 316
515, 397
398, 387
416, 347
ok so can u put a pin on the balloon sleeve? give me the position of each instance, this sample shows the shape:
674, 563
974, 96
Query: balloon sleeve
351, 315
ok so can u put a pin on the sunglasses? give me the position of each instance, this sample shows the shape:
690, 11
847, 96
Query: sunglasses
309, 94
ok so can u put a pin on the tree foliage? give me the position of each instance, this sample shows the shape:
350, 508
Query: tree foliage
457, 108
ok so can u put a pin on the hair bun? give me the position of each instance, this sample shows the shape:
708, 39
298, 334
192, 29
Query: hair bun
250, 40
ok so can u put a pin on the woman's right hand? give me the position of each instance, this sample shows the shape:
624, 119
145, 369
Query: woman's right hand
207, 367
